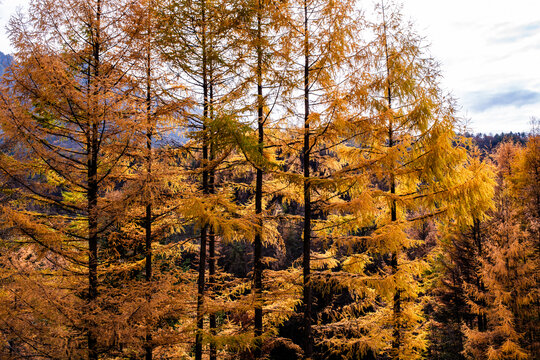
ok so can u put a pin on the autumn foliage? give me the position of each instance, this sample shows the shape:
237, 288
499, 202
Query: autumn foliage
253, 180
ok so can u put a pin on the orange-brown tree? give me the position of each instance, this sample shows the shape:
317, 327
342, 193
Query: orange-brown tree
199, 38
158, 188
404, 164
319, 42
66, 105
509, 262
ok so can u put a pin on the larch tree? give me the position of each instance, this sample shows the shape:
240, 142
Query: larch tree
199, 38
260, 27
232, 179
157, 187
526, 190
187, 37
421, 170
408, 167
456, 268
66, 104
508, 265
319, 41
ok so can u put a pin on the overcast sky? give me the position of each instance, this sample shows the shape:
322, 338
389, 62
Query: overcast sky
489, 52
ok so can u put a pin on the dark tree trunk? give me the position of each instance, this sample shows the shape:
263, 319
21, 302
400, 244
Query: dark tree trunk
211, 235
92, 239
257, 243
308, 345
481, 317
204, 227
148, 277
394, 264
148, 217
396, 342
92, 192
200, 294
211, 281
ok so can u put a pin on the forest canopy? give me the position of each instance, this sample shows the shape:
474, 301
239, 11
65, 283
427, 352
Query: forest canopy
201, 179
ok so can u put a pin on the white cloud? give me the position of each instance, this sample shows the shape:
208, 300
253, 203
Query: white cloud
7, 9
486, 49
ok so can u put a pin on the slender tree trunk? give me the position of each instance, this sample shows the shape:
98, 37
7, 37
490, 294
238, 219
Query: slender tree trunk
212, 235
308, 346
396, 342
257, 243
396, 310
211, 280
204, 228
481, 317
200, 294
92, 239
148, 230
92, 192
148, 217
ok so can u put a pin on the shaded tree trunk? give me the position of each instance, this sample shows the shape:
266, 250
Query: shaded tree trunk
204, 228
92, 192
257, 244
396, 309
308, 346
92, 239
212, 235
481, 317
148, 215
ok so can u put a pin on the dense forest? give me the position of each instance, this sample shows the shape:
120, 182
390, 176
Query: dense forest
251, 179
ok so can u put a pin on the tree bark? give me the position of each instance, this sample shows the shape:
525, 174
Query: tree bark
211, 235
92, 192
308, 346
148, 217
394, 264
92, 240
481, 317
257, 243
204, 227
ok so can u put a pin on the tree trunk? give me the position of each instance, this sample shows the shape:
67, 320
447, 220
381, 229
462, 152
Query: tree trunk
204, 227
481, 317
396, 309
200, 294
211, 235
92, 240
148, 217
396, 342
257, 243
308, 346
92, 192
211, 280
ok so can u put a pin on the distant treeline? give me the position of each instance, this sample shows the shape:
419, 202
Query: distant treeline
489, 142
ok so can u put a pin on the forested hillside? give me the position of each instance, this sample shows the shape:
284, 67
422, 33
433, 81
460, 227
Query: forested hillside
490, 142
5, 61
254, 180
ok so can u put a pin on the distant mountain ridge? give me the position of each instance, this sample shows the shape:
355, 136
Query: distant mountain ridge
5, 61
